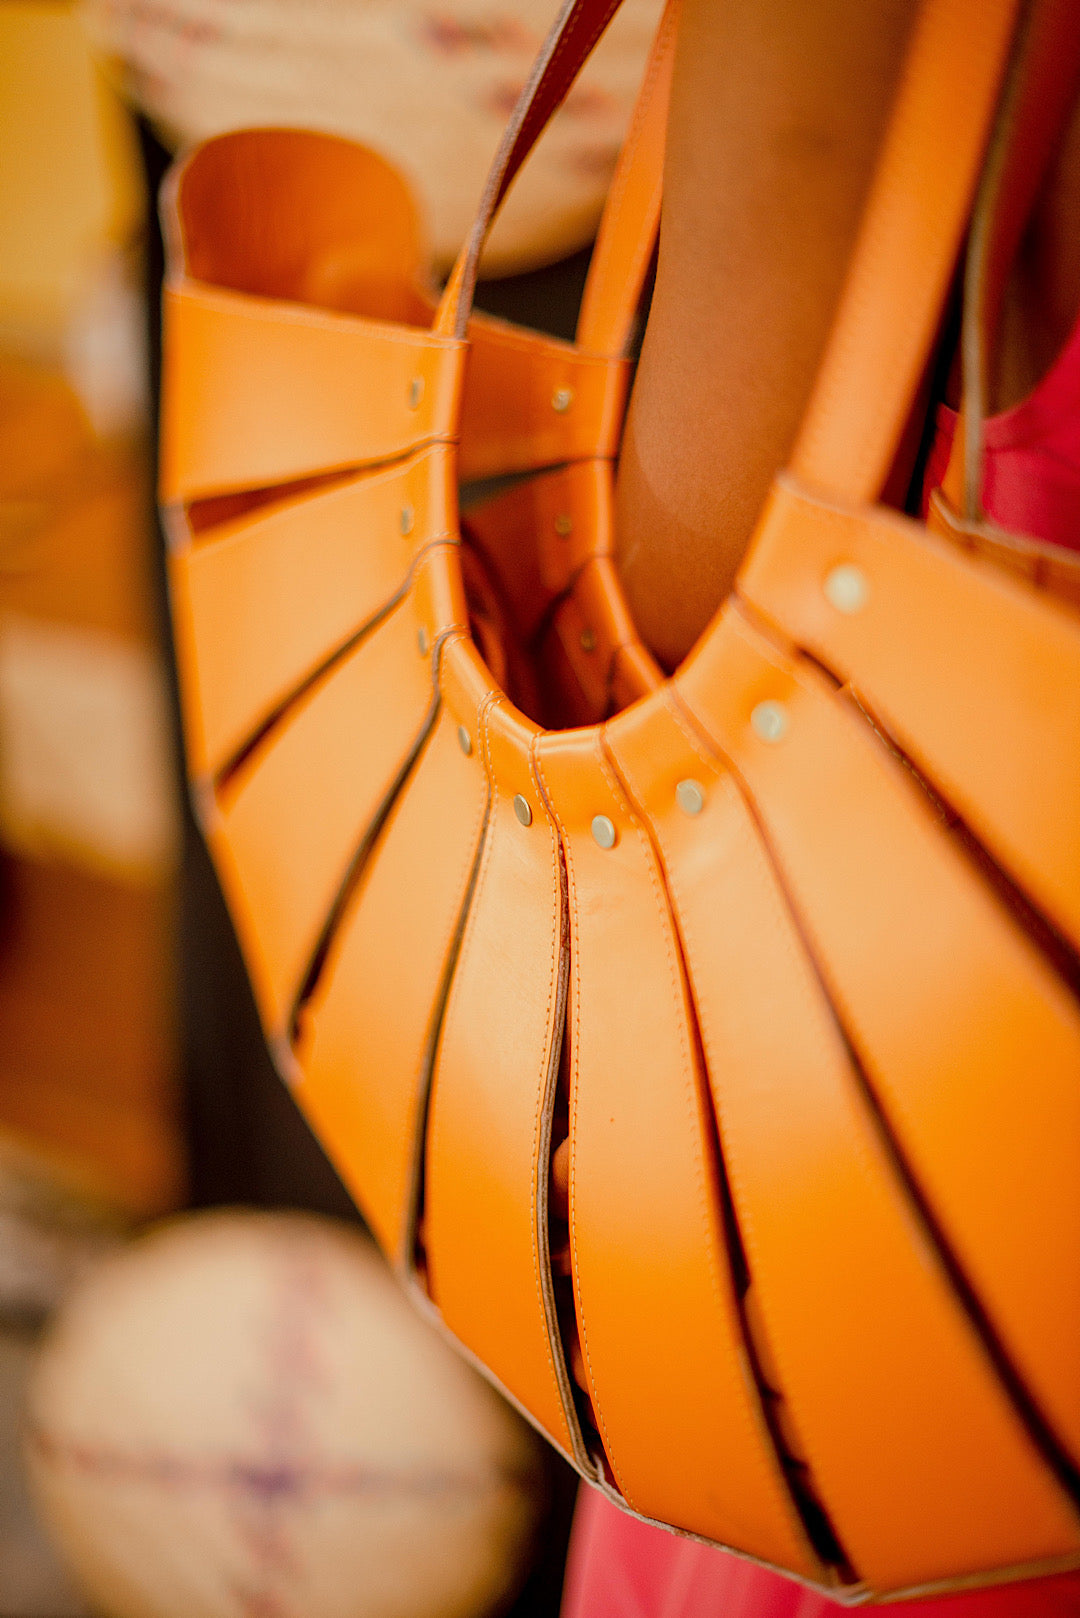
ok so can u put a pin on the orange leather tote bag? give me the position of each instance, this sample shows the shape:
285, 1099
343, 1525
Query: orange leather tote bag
786, 943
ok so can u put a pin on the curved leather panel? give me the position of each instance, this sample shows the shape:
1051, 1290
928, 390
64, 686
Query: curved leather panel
869, 1345
678, 1411
283, 851
300, 215
539, 534
897, 918
976, 676
292, 583
493, 1092
531, 401
364, 1070
257, 392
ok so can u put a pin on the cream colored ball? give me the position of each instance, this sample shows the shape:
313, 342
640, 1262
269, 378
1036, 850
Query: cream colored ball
240, 1416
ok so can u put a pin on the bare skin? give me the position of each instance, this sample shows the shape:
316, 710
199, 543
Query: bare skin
778, 107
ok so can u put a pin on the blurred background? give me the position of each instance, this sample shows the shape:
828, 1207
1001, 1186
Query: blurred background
133, 1078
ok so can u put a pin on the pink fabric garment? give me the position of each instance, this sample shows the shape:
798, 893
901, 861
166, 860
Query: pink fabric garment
1031, 468
622, 1568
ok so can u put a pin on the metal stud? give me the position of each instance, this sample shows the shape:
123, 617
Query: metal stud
564, 525
603, 830
562, 399
847, 588
522, 810
422, 641
464, 740
416, 391
690, 796
770, 721
588, 640
407, 520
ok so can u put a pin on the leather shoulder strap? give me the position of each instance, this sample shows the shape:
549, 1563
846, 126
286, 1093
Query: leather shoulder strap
576, 29
907, 247
628, 228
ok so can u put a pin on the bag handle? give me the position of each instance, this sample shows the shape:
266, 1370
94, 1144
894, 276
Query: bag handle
1038, 99
575, 32
631, 217
907, 246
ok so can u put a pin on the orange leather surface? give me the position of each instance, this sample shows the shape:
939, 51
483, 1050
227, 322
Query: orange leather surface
869, 1346
821, 1038
283, 852
363, 1075
255, 392
989, 705
668, 1379
895, 918
538, 536
494, 1082
515, 382
292, 585
907, 247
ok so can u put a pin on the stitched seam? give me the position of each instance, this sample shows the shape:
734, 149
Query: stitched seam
453, 1001
680, 996
889, 1119
730, 1164
544, 1074
579, 1312
424, 1061
801, 969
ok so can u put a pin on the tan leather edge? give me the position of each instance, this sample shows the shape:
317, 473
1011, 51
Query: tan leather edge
906, 248
627, 233
551, 1315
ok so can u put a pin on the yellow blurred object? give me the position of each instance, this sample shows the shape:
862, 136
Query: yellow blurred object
70, 185
87, 807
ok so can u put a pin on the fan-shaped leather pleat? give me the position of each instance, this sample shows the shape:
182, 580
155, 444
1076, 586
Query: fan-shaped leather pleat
395, 946
493, 1094
668, 1373
293, 583
870, 1347
257, 392
531, 401
539, 535
283, 852
896, 919
976, 674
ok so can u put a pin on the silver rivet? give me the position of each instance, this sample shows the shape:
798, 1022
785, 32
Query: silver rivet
562, 399
464, 740
416, 391
588, 641
563, 525
422, 641
603, 831
690, 797
406, 520
847, 588
522, 810
770, 721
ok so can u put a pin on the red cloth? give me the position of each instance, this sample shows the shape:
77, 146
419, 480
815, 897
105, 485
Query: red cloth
622, 1568
1031, 469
